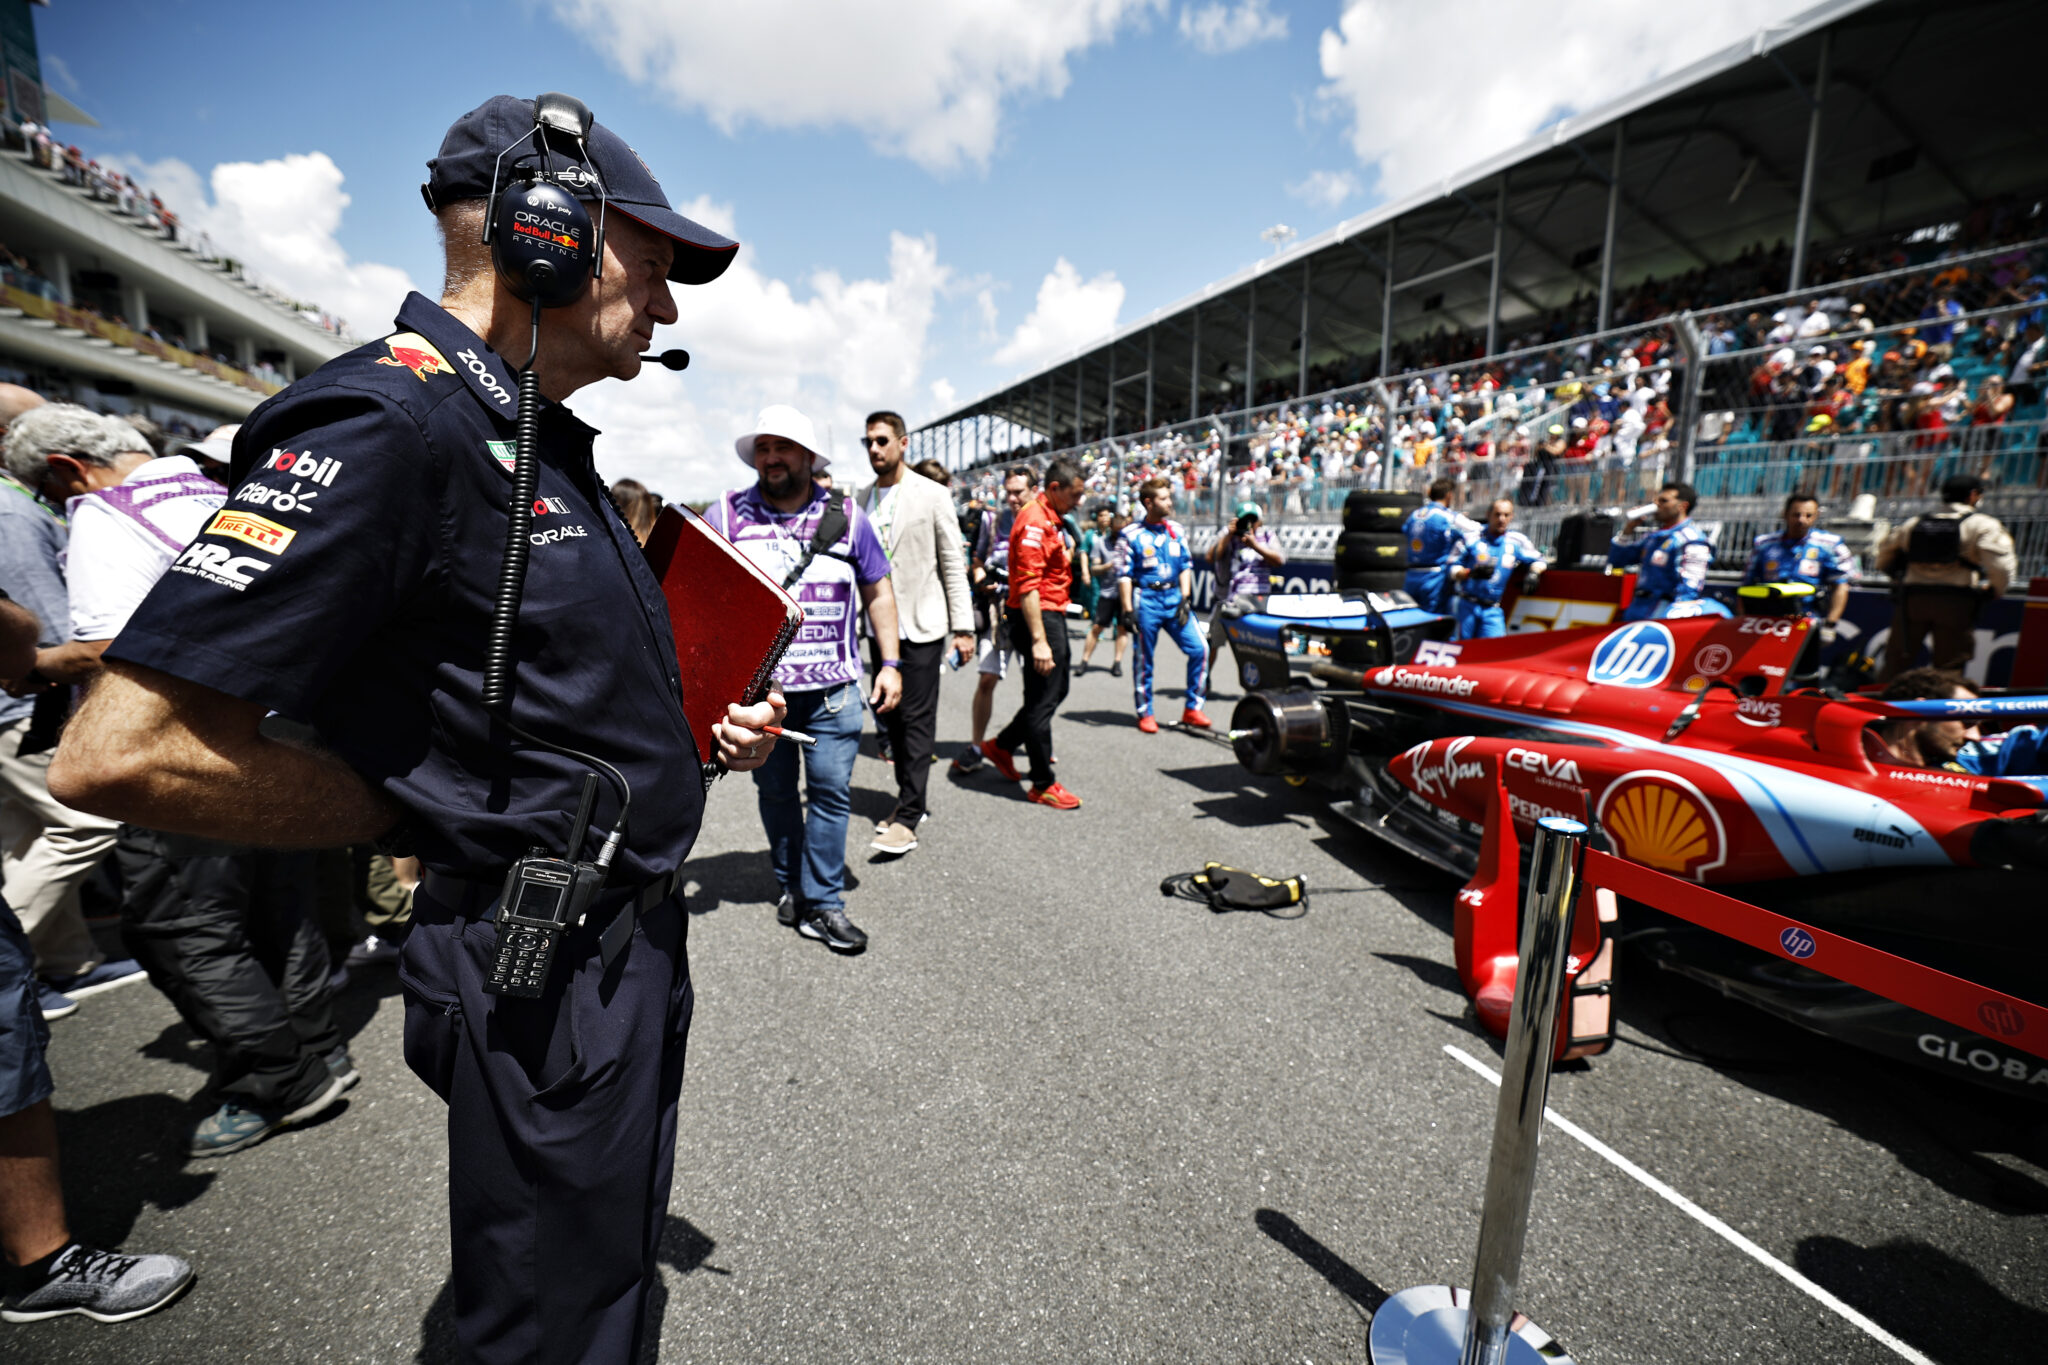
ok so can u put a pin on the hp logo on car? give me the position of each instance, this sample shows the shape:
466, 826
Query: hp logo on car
1797, 943
1639, 655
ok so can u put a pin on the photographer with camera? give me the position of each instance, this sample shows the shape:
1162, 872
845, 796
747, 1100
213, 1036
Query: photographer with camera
1245, 558
352, 583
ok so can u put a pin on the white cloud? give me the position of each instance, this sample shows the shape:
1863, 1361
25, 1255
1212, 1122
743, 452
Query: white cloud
1069, 311
835, 348
1326, 189
944, 394
54, 65
279, 219
1217, 28
926, 79
1416, 125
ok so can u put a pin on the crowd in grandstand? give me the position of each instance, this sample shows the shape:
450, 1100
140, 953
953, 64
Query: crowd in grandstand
123, 194
1881, 385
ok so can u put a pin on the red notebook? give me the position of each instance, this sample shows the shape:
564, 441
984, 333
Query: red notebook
731, 621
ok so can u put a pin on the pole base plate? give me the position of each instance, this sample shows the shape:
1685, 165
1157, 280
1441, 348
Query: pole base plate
1426, 1326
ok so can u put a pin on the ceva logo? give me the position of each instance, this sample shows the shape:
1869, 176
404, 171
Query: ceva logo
1638, 655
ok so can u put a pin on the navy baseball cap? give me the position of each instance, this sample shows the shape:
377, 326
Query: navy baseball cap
470, 150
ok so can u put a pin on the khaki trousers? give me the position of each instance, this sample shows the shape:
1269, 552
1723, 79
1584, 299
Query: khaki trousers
47, 850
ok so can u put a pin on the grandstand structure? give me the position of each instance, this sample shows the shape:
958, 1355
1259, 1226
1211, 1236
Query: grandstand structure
107, 300
1851, 142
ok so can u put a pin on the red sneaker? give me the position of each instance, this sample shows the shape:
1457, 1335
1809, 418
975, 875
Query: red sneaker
1056, 796
1001, 760
1195, 720
1148, 725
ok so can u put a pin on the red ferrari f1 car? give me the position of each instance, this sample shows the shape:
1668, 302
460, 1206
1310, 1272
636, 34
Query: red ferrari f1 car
1696, 747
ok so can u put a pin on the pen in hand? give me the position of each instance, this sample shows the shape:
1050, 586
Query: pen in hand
799, 736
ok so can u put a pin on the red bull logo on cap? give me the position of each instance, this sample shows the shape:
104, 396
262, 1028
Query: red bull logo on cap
411, 351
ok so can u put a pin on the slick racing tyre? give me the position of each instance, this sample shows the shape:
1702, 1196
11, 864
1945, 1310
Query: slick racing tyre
1368, 509
1362, 551
1372, 580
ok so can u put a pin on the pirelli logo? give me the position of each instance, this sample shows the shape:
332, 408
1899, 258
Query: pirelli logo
262, 532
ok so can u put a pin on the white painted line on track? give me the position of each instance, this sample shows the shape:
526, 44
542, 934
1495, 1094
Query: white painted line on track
1708, 1220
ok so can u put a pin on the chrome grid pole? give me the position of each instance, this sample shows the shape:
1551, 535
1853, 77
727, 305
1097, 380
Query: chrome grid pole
1439, 1325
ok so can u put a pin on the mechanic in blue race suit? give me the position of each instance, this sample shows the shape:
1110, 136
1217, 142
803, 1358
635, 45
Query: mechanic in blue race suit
1674, 557
1436, 537
1801, 554
1155, 570
1485, 568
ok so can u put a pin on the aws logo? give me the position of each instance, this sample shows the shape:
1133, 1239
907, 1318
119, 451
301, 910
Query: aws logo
1661, 820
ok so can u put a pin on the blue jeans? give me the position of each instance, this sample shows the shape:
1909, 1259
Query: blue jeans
807, 847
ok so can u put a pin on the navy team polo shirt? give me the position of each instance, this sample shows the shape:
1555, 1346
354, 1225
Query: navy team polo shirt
349, 580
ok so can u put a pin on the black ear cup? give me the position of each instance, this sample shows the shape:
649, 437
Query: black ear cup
542, 243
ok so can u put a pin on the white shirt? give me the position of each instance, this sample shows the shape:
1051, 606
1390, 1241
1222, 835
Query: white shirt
116, 556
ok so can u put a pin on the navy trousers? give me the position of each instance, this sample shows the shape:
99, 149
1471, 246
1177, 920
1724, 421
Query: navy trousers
561, 1128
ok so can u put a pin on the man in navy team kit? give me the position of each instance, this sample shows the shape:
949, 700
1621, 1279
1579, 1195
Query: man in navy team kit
366, 615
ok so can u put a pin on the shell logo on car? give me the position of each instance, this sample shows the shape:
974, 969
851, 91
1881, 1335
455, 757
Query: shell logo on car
1661, 820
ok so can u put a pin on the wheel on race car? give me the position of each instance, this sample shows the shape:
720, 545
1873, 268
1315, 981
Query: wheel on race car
1361, 550
1372, 580
1369, 509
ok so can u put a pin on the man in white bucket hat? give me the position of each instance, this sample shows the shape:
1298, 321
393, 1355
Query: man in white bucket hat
825, 551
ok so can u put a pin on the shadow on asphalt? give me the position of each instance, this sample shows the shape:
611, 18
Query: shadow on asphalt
683, 1248
1429, 971
1894, 1283
123, 1156
1344, 1277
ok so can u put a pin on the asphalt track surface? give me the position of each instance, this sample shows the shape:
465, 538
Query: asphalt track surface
1053, 1116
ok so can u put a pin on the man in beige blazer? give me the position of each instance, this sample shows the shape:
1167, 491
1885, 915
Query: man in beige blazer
927, 566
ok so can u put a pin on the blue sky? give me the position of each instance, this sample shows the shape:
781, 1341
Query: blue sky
932, 194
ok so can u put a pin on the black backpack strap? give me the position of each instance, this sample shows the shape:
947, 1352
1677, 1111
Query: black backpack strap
831, 526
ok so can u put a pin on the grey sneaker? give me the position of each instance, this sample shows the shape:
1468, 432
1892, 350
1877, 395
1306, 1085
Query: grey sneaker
343, 1067
785, 911
894, 837
102, 1285
834, 930
232, 1127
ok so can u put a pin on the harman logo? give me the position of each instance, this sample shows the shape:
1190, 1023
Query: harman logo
2001, 1019
1797, 943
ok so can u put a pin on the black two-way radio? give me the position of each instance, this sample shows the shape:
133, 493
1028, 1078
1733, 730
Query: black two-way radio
547, 252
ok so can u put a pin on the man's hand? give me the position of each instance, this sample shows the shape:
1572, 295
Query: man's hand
1459, 571
742, 743
1041, 657
888, 691
963, 642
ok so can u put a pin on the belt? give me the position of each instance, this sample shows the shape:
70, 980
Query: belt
1482, 601
465, 895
